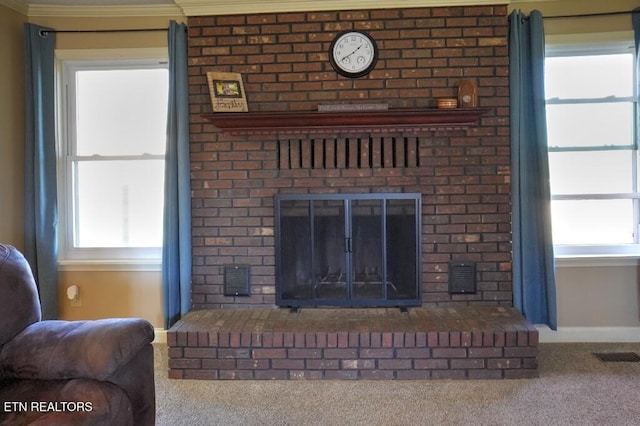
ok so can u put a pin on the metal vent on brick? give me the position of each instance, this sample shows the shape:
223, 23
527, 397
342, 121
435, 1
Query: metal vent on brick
236, 280
618, 356
462, 278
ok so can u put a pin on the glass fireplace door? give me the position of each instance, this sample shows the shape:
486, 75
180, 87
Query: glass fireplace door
366, 249
329, 252
401, 237
348, 249
312, 251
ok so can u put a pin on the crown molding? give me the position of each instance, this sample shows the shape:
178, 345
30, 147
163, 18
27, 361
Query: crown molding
91, 11
66, 11
232, 7
235, 7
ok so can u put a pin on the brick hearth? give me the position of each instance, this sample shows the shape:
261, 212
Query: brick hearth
425, 343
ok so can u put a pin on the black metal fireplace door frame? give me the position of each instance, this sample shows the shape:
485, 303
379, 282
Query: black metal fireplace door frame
282, 297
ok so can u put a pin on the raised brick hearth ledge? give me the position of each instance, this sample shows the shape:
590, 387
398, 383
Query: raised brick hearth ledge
425, 343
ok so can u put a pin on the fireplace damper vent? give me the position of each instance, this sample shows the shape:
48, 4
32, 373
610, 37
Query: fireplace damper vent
236, 280
462, 278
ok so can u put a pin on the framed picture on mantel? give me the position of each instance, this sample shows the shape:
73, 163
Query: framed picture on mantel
227, 92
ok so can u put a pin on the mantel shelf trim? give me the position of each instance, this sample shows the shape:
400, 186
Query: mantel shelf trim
398, 120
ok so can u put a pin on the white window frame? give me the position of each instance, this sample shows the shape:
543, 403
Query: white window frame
100, 258
607, 43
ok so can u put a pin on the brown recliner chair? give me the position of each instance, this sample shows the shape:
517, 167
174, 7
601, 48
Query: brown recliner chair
56, 372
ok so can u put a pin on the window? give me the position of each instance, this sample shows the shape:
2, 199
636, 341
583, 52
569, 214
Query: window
112, 164
593, 150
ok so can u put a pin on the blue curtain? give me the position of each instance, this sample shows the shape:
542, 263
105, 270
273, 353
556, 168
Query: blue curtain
534, 286
635, 21
40, 201
176, 249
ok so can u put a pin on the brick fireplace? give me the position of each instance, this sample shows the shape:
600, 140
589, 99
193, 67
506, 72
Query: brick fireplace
461, 171
462, 174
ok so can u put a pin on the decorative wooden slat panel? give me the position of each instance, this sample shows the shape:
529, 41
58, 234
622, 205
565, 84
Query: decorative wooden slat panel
349, 153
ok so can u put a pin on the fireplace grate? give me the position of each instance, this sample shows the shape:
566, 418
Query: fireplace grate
618, 356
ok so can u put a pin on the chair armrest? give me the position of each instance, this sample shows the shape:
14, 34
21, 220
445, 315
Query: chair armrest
56, 350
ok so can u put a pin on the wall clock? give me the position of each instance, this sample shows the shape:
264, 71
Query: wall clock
353, 54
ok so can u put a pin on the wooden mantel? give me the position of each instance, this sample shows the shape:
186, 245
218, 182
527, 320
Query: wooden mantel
398, 120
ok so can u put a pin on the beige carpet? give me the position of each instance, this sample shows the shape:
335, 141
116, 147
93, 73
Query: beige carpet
574, 388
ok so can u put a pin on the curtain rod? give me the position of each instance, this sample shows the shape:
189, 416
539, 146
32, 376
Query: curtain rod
44, 33
590, 15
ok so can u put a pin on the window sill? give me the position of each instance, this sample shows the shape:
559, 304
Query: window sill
574, 261
150, 265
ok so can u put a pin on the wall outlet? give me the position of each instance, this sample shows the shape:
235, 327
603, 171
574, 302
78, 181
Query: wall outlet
73, 294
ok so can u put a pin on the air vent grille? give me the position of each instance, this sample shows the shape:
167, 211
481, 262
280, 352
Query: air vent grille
236, 280
462, 278
618, 357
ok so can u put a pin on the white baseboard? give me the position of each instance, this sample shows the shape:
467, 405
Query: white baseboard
161, 335
589, 334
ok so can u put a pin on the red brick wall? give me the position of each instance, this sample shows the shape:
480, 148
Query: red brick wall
463, 175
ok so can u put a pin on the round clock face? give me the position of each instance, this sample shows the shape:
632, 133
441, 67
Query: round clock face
353, 54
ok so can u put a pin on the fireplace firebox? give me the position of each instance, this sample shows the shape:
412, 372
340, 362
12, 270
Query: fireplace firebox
348, 249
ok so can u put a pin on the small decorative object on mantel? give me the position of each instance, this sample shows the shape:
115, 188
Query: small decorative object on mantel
227, 92
447, 103
352, 107
467, 94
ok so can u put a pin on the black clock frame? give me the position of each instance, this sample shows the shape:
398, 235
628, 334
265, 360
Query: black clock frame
358, 74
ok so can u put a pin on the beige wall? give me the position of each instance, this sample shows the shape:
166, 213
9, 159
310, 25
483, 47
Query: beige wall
111, 40
598, 295
11, 127
112, 294
580, 25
